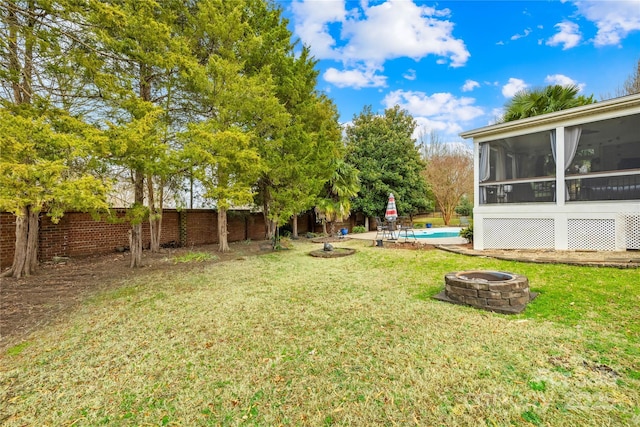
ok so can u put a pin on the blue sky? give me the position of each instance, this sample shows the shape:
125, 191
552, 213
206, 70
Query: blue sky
453, 64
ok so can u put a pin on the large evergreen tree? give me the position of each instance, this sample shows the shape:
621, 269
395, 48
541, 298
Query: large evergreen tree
297, 156
136, 53
382, 148
48, 155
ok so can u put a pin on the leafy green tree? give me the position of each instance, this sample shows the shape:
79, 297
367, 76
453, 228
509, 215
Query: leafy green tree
232, 106
529, 103
465, 207
48, 156
381, 147
47, 165
226, 166
312, 141
137, 51
296, 155
334, 203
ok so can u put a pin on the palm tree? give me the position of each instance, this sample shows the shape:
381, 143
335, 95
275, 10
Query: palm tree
334, 203
529, 103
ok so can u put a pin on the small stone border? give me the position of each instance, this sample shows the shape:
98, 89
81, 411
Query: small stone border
329, 239
335, 253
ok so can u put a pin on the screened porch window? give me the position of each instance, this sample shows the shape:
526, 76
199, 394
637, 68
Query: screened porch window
518, 170
606, 164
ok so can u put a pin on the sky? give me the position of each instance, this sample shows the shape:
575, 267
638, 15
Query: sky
454, 64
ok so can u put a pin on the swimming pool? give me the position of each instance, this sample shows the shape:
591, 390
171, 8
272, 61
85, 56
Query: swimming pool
436, 233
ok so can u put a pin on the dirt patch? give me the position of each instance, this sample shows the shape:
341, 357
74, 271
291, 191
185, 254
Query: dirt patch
29, 303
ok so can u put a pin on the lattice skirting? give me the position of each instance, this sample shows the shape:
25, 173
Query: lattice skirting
630, 225
519, 233
591, 234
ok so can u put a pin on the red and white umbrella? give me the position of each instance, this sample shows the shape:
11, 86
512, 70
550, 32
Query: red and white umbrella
392, 213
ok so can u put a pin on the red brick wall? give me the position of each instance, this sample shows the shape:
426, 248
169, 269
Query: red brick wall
202, 227
7, 238
78, 234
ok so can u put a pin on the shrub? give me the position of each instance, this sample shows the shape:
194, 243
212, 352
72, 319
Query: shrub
465, 207
467, 233
359, 229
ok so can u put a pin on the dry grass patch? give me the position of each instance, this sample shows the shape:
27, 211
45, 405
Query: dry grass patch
288, 339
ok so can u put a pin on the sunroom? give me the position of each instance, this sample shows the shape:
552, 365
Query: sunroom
568, 180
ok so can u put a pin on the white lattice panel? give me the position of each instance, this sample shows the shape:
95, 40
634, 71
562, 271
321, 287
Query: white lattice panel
591, 234
518, 233
631, 230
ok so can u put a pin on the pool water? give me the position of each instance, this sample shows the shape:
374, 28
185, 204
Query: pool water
437, 233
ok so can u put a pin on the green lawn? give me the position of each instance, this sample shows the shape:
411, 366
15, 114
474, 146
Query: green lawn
289, 339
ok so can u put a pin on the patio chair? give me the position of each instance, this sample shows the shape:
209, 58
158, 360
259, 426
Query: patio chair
381, 228
406, 227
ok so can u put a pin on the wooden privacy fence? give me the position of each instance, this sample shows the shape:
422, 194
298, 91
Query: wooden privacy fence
79, 235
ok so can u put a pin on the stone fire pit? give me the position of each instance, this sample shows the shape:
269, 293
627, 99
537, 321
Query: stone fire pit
497, 291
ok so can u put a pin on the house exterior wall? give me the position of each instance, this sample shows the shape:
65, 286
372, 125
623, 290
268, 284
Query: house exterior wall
605, 225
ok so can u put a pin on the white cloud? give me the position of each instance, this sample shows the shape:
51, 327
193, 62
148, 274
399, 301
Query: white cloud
568, 35
562, 80
410, 74
514, 86
519, 36
373, 34
496, 116
355, 78
614, 19
469, 85
311, 25
441, 112
402, 29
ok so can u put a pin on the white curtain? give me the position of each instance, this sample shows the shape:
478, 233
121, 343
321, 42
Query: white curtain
571, 139
485, 169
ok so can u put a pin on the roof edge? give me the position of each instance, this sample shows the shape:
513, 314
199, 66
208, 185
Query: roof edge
583, 110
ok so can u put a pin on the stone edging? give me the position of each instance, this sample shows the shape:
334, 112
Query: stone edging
628, 263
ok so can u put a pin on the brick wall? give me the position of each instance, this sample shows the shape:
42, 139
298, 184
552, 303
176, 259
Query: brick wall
7, 238
78, 234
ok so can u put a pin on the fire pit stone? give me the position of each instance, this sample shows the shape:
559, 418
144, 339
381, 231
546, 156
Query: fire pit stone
497, 291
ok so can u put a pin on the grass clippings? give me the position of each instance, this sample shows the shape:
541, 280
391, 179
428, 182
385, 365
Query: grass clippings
288, 339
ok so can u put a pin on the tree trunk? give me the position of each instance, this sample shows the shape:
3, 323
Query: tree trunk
25, 257
269, 225
294, 227
324, 227
155, 216
366, 222
447, 213
135, 239
135, 245
223, 232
